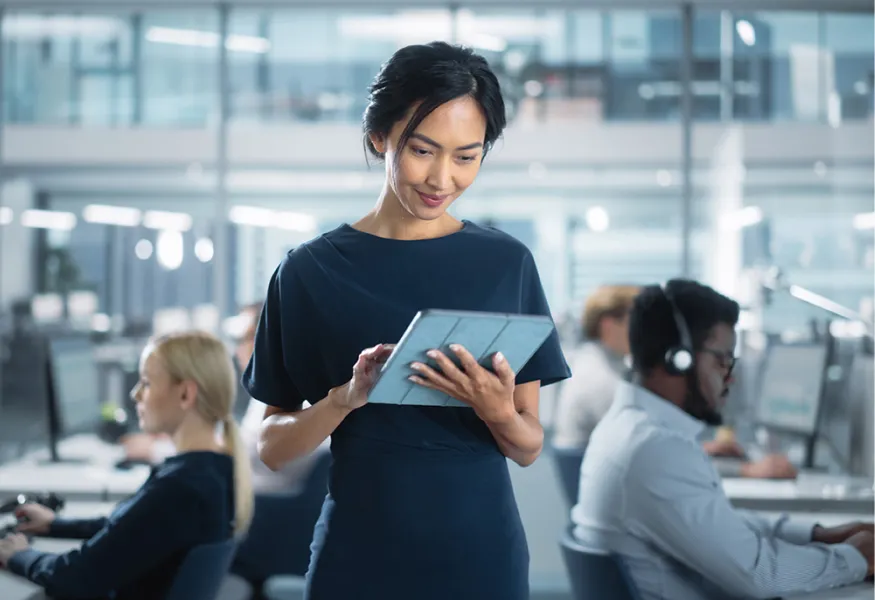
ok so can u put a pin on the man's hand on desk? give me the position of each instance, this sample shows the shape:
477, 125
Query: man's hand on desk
774, 466
723, 448
840, 533
10, 546
34, 519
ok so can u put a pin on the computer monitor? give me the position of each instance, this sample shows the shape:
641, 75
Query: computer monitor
74, 399
791, 388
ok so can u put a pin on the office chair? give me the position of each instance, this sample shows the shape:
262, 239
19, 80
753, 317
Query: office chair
568, 461
601, 576
201, 573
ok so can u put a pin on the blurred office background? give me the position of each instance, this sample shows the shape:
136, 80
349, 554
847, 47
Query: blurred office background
157, 163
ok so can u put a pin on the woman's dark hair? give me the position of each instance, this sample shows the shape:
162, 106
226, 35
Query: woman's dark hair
432, 74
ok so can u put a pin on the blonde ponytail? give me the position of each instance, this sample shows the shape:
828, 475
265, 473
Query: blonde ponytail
202, 358
243, 495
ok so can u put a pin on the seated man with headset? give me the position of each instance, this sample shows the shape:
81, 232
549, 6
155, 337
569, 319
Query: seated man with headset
599, 366
649, 493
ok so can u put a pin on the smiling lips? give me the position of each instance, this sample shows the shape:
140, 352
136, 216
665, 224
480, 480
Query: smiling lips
430, 200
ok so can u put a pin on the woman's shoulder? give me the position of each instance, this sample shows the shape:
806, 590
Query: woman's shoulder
495, 240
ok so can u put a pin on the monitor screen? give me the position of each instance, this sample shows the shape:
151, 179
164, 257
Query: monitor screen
75, 384
791, 388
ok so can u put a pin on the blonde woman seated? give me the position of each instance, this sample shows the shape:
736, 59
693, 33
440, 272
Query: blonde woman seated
201, 495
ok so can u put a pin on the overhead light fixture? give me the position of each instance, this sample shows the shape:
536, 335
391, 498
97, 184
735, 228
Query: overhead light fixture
295, 222
207, 39
253, 216
864, 221
598, 219
59, 26
122, 216
143, 249
169, 249
48, 219
203, 250
746, 32
165, 220
6, 215
739, 219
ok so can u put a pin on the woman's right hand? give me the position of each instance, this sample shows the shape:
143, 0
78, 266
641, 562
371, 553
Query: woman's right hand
354, 393
35, 518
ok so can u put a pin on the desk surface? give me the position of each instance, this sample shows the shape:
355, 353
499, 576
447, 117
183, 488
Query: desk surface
93, 478
811, 492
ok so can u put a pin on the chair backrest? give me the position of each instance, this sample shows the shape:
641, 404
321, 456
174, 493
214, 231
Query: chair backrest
568, 461
601, 576
201, 573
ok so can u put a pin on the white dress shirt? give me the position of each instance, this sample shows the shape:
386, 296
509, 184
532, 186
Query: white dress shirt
649, 493
587, 396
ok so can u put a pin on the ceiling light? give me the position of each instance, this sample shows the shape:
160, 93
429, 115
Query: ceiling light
48, 219
170, 249
746, 32
122, 216
598, 219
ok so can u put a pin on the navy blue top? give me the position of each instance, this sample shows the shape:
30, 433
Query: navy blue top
412, 487
135, 552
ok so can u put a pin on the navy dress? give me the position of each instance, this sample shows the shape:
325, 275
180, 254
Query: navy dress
420, 502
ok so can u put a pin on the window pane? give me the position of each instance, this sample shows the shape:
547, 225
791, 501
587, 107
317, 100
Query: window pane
180, 68
320, 62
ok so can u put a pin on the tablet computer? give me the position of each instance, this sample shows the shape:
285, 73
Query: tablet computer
483, 334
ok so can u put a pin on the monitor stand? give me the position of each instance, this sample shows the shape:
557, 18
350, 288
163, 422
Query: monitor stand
56, 459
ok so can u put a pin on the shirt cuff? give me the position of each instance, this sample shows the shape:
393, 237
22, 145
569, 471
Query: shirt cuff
21, 562
796, 532
856, 563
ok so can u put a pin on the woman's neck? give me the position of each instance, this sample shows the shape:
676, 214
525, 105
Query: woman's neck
389, 219
196, 437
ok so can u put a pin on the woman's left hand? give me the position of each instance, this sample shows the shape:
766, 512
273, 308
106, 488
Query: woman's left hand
10, 545
489, 394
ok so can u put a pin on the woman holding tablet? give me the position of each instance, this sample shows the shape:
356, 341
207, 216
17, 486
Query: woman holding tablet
420, 502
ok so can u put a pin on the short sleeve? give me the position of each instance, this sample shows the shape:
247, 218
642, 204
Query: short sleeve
266, 377
548, 364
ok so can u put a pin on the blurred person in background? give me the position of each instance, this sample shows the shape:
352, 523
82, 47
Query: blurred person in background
650, 495
202, 494
599, 364
152, 448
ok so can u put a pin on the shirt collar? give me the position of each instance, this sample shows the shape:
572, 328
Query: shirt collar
659, 409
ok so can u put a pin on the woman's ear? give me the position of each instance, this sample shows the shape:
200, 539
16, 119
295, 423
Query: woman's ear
378, 141
189, 394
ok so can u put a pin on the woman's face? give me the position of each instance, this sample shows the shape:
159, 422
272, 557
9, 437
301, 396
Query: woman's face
160, 400
439, 161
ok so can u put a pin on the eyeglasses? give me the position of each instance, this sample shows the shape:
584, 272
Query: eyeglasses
726, 360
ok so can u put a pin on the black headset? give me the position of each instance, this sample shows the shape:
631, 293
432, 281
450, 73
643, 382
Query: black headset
678, 359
